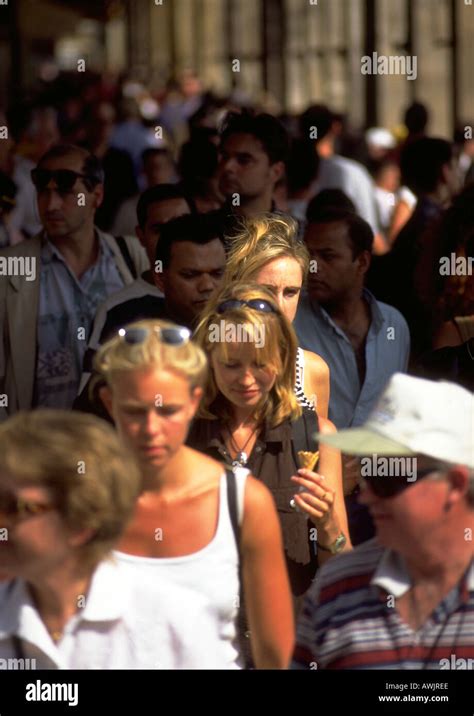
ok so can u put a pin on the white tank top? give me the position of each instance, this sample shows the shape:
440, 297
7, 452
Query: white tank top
212, 571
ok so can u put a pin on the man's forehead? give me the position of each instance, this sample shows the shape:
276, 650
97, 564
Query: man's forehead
243, 143
72, 161
190, 255
327, 234
163, 211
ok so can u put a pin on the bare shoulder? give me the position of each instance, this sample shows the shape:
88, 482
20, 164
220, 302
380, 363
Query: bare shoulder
326, 426
316, 364
203, 464
260, 516
257, 495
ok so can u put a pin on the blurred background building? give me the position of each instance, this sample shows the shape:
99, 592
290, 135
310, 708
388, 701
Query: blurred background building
289, 52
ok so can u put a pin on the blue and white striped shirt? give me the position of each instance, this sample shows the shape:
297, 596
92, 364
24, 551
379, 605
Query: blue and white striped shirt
67, 306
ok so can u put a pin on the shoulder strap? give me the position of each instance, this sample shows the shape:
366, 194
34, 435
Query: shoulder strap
127, 257
243, 632
303, 430
232, 503
18, 647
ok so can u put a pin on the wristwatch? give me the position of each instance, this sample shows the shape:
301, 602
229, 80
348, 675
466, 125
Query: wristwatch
337, 546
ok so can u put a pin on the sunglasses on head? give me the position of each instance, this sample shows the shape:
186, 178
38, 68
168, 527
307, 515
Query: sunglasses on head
18, 508
64, 179
258, 304
173, 336
388, 486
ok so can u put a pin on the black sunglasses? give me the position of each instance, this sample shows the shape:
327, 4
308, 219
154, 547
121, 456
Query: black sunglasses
63, 178
258, 304
175, 336
388, 486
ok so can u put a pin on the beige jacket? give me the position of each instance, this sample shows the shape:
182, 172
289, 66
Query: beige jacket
19, 300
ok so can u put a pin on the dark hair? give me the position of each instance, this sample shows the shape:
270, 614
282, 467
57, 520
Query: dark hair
416, 118
303, 164
269, 131
421, 162
8, 190
198, 228
359, 231
197, 164
317, 116
452, 233
377, 166
19, 117
91, 166
328, 199
156, 194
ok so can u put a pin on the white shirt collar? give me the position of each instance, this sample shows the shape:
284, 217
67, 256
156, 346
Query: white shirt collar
106, 601
392, 574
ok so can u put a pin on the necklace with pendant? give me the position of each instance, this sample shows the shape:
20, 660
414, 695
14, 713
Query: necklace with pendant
241, 457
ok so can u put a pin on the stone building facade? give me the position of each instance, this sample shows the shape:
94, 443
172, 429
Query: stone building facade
292, 52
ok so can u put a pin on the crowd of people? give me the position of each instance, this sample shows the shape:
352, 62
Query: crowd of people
209, 323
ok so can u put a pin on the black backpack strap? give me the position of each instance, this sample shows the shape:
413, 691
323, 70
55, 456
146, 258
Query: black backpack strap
242, 626
127, 257
18, 647
233, 511
303, 431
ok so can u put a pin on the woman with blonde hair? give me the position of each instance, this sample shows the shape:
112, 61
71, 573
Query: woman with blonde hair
266, 251
67, 490
250, 416
195, 524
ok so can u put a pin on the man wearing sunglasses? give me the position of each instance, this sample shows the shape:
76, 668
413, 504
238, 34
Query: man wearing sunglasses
404, 600
45, 323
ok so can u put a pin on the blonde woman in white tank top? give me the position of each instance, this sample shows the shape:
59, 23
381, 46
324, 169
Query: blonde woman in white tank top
181, 530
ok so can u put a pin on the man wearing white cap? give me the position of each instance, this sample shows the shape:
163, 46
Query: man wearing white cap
404, 600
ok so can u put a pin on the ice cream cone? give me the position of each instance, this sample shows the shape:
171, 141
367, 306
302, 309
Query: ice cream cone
308, 460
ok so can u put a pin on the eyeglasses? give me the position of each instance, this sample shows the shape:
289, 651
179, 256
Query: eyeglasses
388, 486
63, 178
174, 336
18, 508
258, 304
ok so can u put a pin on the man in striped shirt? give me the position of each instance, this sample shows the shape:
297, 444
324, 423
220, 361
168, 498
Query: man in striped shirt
404, 600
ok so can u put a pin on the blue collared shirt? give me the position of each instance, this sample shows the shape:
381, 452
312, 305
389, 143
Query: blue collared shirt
67, 306
387, 350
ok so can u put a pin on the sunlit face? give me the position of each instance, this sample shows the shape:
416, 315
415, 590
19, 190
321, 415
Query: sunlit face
284, 278
241, 378
63, 215
245, 168
409, 517
337, 270
35, 544
152, 410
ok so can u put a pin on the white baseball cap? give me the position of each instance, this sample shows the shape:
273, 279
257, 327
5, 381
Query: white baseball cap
415, 416
380, 137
